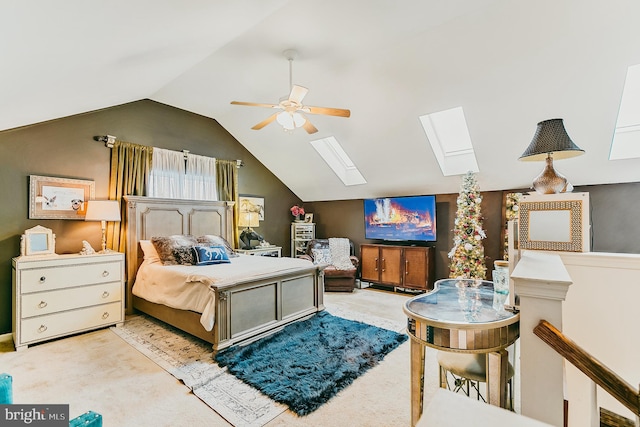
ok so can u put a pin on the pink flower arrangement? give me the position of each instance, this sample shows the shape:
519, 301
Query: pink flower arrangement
296, 210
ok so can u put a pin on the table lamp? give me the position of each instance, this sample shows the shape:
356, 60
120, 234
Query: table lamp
103, 210
248, 220
550, 141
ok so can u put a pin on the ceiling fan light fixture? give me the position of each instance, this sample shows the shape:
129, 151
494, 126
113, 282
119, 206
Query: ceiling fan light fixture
290, 118
290, 121
285, 120
298, 120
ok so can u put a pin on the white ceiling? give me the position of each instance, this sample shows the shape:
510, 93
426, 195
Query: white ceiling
509, 64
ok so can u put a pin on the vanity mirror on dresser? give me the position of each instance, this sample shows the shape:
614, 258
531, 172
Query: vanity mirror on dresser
38, 241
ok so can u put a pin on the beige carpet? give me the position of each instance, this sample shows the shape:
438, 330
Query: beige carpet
99, 371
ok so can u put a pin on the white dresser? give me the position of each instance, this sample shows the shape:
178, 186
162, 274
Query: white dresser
59, 295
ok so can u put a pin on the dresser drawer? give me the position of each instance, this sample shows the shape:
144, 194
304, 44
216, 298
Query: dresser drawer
69, 322
38, 304
44, 279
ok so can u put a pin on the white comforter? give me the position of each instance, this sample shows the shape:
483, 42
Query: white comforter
191, 287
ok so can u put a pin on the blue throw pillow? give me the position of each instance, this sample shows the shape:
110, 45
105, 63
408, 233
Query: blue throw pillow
206, 255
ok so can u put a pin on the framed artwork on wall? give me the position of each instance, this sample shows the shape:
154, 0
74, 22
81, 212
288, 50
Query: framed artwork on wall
59, 198
252, 204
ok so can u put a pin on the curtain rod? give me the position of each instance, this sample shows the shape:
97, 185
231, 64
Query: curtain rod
109, 141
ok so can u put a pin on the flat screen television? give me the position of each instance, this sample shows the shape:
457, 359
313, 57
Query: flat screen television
408, 218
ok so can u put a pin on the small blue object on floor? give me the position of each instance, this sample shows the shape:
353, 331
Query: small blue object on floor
308, 362
6, 389
88, 419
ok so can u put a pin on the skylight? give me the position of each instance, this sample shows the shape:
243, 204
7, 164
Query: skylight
626, 138
449, 138
332, 153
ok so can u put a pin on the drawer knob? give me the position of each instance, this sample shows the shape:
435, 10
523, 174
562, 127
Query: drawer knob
42, 304
41, 329
42, 279
105, 273
105, 315
105, 294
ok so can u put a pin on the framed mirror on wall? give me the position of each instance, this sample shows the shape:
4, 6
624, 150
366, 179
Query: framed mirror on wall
555, 222
38, 240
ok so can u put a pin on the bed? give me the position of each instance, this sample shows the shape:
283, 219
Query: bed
242, 308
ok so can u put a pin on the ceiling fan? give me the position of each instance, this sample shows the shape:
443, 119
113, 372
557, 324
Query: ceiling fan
293, 111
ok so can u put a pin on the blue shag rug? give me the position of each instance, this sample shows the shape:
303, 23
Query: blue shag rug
308, 362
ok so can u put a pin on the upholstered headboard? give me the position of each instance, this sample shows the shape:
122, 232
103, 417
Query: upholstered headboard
149, 217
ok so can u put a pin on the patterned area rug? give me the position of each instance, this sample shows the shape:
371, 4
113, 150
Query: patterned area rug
189, 359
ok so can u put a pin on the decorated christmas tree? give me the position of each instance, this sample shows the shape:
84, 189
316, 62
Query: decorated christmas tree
467, 254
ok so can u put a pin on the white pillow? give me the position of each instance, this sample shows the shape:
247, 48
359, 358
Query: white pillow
321, 256
150, 253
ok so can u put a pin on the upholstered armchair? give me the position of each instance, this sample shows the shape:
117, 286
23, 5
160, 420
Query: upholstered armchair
336, 278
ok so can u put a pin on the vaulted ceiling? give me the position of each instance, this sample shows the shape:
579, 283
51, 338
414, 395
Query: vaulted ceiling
509, 64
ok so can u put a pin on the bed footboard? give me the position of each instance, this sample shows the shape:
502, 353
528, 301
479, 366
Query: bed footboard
248, 311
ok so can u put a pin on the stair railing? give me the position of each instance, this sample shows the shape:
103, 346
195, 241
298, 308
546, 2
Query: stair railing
604, 377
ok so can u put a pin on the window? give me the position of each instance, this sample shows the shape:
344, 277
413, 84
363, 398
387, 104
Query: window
200, 178
332, 153
166, 177
182, 175
450, 141
626, 137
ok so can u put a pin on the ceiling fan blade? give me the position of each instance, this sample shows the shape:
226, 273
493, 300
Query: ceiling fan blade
327, 111
265, 122
297, 93
255, 104
310, 128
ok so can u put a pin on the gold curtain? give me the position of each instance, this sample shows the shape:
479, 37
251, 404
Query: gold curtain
227, 182
130, 166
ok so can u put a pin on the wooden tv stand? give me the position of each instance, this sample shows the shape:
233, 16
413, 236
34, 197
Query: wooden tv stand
411, 267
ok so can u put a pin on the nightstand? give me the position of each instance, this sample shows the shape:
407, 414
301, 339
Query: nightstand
59, 295
273, 251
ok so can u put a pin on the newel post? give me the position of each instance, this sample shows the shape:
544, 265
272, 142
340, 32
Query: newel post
541, 281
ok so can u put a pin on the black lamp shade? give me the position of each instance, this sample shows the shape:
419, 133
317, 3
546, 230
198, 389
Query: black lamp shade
551, 137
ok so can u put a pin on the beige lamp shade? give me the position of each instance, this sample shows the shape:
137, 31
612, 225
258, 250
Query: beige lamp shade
249, 219
102, 210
